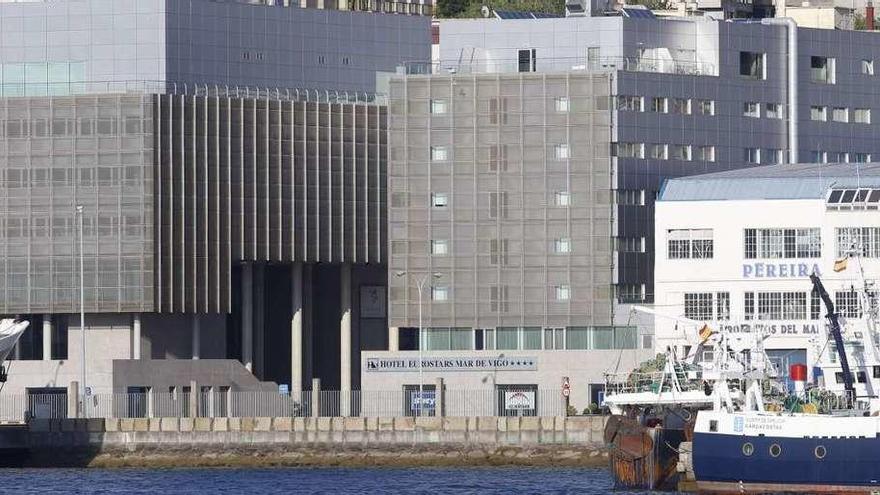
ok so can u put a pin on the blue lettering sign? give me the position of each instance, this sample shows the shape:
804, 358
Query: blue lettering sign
747, 271
779, 270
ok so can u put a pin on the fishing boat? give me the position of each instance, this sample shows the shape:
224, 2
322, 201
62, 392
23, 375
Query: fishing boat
654, 409
827, 440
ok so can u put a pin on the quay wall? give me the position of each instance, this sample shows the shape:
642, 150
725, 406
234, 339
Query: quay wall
318, 441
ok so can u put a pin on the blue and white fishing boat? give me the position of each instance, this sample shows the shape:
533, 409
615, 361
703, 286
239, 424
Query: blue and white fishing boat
822, 442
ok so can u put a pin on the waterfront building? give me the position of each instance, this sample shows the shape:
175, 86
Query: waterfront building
735, 250
232, 229
525, 160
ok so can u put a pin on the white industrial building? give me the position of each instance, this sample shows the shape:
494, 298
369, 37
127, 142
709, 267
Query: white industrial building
735, 250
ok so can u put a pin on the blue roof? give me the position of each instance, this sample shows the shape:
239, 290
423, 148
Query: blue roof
801, 181
511, 14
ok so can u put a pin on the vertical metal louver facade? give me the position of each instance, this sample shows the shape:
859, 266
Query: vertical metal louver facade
262, 177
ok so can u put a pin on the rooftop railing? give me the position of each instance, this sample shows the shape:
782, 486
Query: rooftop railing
603, 64
33, 90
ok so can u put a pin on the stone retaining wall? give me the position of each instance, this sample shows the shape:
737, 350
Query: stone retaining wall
233, 432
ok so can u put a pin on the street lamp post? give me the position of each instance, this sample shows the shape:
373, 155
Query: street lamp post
82, 310
420, 283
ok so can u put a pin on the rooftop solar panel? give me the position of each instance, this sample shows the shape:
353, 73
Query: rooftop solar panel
511, 14
639, 14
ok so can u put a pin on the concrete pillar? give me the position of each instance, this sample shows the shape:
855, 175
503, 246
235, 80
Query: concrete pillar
136, 336
259, 338
194, 394
439, 398
316, 397
345, 340
196, 336
151, 403
296, 332
308, 328
393, 339
73, 399
247, 316
47, 337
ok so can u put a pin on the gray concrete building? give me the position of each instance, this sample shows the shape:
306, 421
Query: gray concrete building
534, 150
224, 219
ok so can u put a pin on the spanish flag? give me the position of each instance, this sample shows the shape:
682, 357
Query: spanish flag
705, 333
840, 265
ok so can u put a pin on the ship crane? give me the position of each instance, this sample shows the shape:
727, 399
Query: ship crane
838, 339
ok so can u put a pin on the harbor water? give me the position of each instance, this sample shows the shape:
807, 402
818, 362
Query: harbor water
335, 481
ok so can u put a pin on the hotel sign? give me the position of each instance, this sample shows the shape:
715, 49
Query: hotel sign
779, 270
452, 364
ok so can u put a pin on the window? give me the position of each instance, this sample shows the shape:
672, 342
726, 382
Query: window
771, 156
448, 339
630, 293
629, 244
689, 243
439, 200
563, 292
782, 243
498, 252
752, 155
659, 151
440, 293
438, 153
815, 306
751, 64
706, 153
630, 150
561, 198
706, 107
819, 114
630, 197
681, 106
847, 304
497, 157
698, 306
498, 298
864, 240
839, 114
560, 151
659, 105
861, 157
498, 204
822, 70
817, 156
438, 107
722, 306
562, 245
862, 115
775, 306
526, 59
773, 110
681, 152
752, 109
868, 67
439, 247
631, 103
561, 104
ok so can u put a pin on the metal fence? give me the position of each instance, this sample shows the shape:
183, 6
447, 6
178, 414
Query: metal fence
326, 403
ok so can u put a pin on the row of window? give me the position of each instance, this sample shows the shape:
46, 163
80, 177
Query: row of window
775, 243
683, 152
662, 104
771, 110
497, 107
107, 126
440, 201
818, 156
532, 338
768, 306
766, 156
840, 114
498, 295
441, 154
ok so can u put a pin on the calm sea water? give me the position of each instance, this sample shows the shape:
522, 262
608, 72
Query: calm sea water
330, 481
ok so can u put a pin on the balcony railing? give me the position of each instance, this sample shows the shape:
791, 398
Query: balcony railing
603, 64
